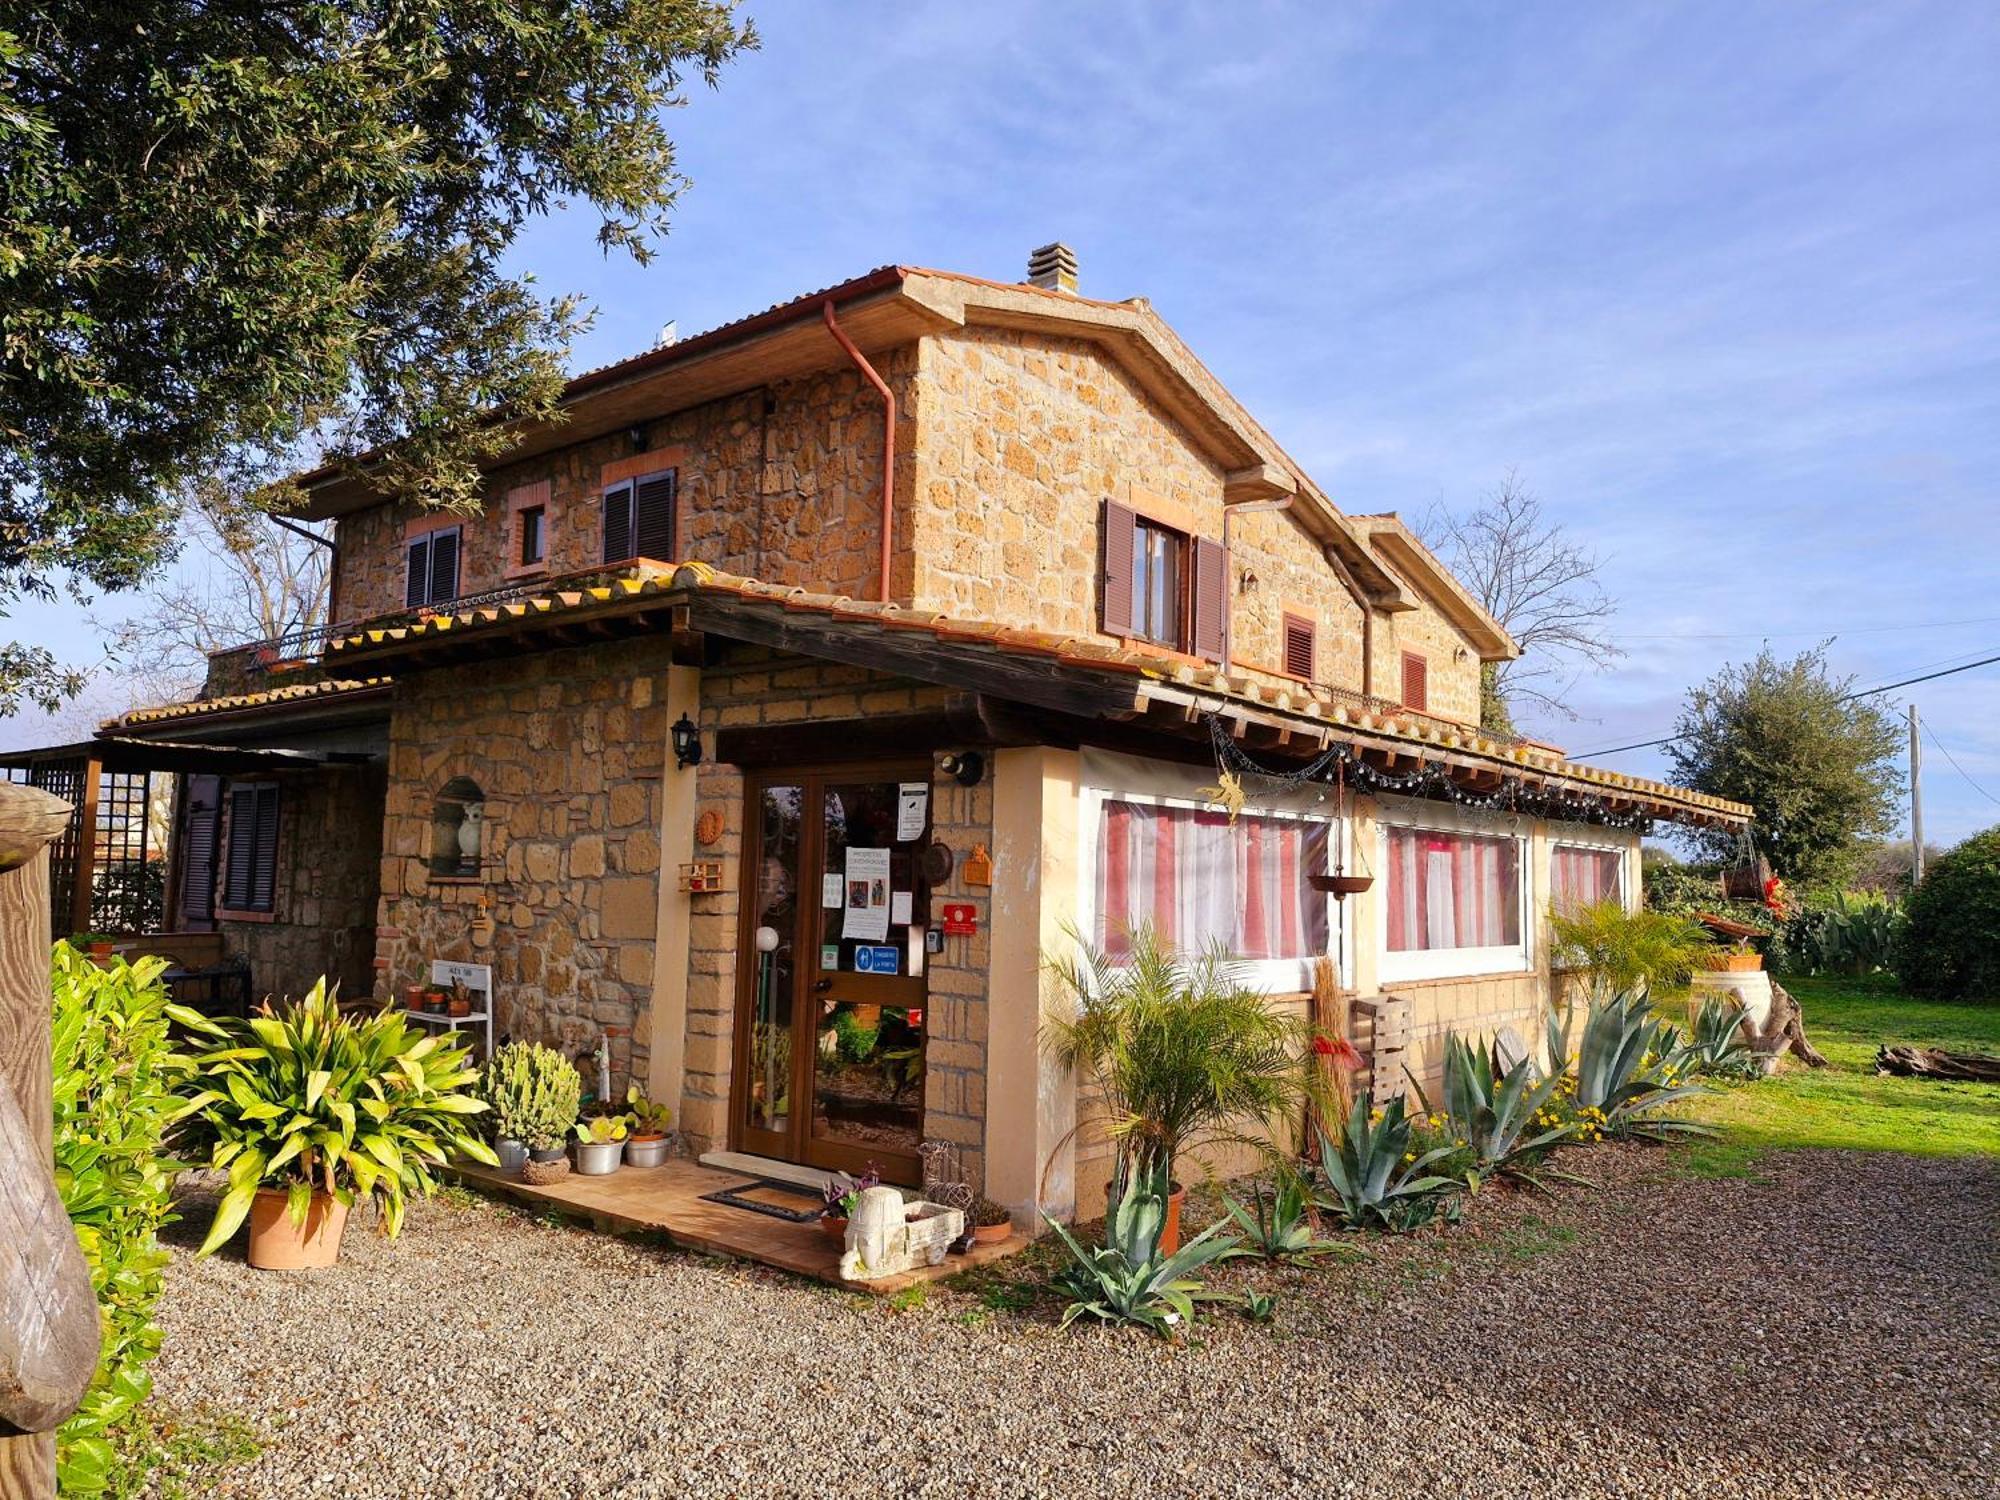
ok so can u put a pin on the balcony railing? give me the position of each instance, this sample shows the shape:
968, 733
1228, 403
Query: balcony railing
304, 648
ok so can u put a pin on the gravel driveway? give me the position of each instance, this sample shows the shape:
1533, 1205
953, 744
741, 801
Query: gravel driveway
1832, 1328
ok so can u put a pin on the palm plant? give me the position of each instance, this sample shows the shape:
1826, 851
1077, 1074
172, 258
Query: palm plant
1374, 1179
1128, 1280
310, 1100
1623, 952
1181, 1051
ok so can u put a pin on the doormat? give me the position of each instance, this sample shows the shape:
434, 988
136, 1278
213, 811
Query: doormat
763, 1196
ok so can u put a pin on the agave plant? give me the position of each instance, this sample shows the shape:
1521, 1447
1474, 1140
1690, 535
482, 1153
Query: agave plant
1374, 1179
1127, 1280
1493, 1112
1277, 1223
1715, 1044
1626, 1069
310, 1100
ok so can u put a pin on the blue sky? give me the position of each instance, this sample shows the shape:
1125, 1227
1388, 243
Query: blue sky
1719, 281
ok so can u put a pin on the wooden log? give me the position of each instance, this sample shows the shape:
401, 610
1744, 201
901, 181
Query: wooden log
48, 1317
1937, 1062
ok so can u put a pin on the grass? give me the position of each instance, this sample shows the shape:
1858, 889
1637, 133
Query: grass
1844, 1105
177, 1455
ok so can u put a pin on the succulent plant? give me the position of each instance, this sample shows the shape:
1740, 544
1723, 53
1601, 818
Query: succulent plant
643, 1115
534, 1092
601, 1130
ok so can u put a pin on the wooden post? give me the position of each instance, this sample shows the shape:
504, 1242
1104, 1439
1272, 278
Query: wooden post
83, 885
48, 1315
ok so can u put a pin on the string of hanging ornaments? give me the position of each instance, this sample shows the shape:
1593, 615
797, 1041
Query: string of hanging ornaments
1515, 794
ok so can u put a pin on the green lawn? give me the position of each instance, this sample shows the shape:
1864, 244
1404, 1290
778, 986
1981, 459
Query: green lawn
1845, 1104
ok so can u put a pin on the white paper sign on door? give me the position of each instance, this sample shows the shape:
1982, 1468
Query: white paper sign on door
866, 914
832, 890
913, 800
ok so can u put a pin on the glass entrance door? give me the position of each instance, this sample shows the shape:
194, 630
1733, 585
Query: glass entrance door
830, 1031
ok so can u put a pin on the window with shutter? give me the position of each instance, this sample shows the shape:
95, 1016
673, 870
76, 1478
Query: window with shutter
432, 576
249, 883
1416, 682
1211, 598
201, 806
417, 581
653, 515
1299, 647
618, 521
1115, 584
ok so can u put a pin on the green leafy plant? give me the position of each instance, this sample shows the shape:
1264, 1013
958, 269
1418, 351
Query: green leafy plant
601, 1130
643, 1115
115, 1072
1619, 951
305, 1098
1127, 1280
534, 1092
1714, 1044
1951, 948
985, 1213
1626, 1071
1277, 1224
1850, 933
1181, 1050
1499, 1115
1259, 1307
1374, 1179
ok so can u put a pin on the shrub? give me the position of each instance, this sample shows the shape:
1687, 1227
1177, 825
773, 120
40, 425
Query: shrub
1951, 947
1628, 1068
1128, 1280
1842, 932
115, 1071
1619, 951
1498, 1113
1374, 1177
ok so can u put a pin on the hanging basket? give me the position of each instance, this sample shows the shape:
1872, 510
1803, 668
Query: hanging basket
1746, 881
1340, 887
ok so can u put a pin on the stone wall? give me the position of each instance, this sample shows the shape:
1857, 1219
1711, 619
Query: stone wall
568, 748
781, 483
323, 906
756, 687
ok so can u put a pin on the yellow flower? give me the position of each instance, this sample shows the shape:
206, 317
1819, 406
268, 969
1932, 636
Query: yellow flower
1409, 1156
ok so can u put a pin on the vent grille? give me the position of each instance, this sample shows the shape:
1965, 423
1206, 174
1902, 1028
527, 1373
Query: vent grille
1299, 643
1416, 682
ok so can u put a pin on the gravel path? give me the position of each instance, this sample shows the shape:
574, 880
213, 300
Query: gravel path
1832, 1328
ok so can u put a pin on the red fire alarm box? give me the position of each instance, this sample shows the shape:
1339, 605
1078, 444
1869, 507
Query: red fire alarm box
960, 921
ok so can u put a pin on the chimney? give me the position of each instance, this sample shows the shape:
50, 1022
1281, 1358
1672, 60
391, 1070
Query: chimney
670, 333
1053, 267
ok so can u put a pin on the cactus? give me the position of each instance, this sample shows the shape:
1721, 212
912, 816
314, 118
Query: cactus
535, 1092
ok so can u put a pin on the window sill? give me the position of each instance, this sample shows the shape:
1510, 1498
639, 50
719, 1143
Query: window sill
526, 570
224, 914
1475, 973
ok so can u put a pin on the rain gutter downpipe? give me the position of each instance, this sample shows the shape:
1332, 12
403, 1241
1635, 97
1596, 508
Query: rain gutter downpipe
888, 435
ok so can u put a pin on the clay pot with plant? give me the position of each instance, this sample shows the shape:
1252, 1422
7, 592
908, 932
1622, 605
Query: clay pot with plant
310, 1111
648, 1123
1183, 1051
842, 1193
991, 1222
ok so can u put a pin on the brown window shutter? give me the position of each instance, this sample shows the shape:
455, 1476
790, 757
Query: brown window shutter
653, 516
250, 882
1416, 682
444, 566
264, 877
1299, 644
417, 581
1115, 586
201, 807
618, 522
1211, 597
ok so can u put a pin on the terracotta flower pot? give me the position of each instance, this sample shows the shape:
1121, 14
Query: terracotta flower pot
1170, 1231
277, 1244
991, 1234
834, 1226
461, 1007
1735, 963
413, 997
434, 1000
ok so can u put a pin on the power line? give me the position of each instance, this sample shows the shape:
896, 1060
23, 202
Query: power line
1985, 661
1931, 735
1758, 635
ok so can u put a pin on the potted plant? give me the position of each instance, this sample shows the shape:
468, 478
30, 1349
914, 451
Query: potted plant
1181, 1051
100, 946
309, 1110
1738, 958
991, 1222
434, 1001
413, 997
533, 1091
842, 1192
600, 1144
458, 1004
646, 1146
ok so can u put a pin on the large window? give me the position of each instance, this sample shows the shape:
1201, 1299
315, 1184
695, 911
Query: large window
250, 879
1196, 879
431, 571
1451, 904
1157, 583
1583, 876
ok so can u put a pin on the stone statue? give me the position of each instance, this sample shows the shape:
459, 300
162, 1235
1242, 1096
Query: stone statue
886, 1236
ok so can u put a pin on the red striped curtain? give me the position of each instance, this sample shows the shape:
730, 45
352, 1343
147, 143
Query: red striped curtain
1452, 890
1582, 877
1197, 879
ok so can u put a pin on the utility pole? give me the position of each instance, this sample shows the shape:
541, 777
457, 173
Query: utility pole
1916, 801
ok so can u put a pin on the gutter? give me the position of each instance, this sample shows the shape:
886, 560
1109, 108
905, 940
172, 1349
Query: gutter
888, 396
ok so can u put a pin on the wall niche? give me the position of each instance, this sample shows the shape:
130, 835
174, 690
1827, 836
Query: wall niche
458, 830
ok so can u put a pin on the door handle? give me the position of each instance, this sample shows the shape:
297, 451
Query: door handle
820, 987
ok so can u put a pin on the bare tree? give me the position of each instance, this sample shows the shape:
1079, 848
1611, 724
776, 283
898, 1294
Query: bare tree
243, 578
1538, 583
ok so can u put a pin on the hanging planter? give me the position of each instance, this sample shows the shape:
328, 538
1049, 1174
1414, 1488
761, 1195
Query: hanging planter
1339, 886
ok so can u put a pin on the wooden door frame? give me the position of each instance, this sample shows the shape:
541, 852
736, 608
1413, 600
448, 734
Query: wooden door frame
812, 780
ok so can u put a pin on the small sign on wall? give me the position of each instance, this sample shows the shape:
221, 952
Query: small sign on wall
877, 958
960, 920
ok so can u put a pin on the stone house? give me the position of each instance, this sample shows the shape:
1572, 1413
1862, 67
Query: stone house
818, 675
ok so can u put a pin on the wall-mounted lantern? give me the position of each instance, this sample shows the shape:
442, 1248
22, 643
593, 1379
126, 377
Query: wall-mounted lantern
687, 742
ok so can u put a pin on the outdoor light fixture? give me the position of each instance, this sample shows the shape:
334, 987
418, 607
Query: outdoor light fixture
687, 742
965, 766
636, 436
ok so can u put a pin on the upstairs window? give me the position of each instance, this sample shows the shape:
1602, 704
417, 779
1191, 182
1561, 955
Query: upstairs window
1300, 654
534, 544
1161, 585
639, 517
250, 880
529, 509
1416, 682
432, 568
